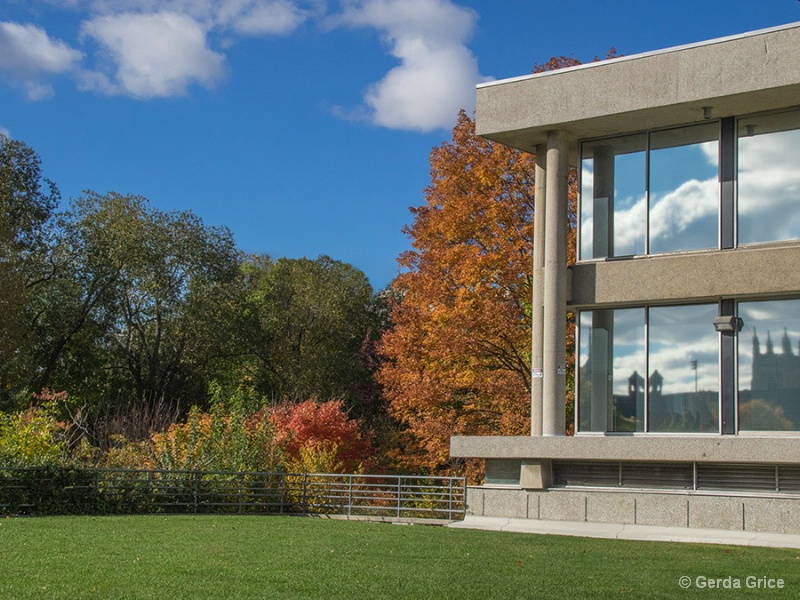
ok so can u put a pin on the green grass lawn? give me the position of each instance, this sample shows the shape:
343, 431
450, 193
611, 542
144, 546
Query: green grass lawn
220, 557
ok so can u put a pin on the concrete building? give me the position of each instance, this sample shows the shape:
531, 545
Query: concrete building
689, 263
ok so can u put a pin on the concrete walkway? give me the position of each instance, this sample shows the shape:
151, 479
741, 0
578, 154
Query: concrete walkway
622, 531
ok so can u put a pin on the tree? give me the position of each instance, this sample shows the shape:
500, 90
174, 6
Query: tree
137, 312
27, 204
27, 199
304, 325
458, 355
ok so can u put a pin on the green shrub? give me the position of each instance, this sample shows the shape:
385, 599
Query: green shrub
31, 438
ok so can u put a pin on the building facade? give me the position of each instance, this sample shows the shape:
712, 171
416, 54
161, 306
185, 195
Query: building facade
686, 291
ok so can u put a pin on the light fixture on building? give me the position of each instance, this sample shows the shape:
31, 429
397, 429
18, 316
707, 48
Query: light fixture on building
728, 324
707, 112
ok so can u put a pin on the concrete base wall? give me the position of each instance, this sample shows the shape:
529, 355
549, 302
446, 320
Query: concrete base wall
673, 509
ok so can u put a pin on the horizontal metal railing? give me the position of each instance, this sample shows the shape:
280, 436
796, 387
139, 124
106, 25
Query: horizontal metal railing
123, 491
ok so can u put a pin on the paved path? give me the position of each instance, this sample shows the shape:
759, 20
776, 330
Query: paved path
622, 531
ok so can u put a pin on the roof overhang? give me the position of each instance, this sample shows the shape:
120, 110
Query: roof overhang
753, 72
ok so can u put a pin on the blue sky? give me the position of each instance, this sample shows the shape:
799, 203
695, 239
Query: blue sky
304, 126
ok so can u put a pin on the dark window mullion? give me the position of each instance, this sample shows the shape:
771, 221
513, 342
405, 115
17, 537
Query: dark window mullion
647, 196
727, 178
728, 372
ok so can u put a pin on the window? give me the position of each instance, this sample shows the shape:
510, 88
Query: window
769, 178
769, 366
683, 362
649, 369
650, 193
683, 190
664, 369
713, 185
613, 213
613, 370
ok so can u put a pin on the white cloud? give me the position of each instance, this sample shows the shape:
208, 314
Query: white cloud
153, 55
684, 218
437, 72
677, 210
28, 54
247, 17
769, 184
251, 17
160, 48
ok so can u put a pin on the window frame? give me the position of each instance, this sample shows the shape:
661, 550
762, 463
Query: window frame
727, 178
729, 393
722, 308
724, 126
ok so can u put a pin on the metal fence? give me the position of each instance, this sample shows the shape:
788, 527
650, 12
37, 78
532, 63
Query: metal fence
118, 491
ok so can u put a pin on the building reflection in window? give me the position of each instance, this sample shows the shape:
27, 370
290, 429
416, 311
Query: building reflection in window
769, 366
660, 378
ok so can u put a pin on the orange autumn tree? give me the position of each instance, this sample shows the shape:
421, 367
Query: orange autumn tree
457, 359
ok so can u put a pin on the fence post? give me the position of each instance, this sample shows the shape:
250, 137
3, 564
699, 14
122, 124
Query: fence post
241, 486
399, 493
464, 495
349, 495
305, 502
196, 477
450, 498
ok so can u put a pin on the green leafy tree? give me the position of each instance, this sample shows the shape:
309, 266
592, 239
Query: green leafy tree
27, 199
27, 204
136, 313
304, 325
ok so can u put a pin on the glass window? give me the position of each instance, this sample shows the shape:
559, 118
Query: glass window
769, 178
653, 369
684, 188
769, 366
683, 347
613, 197
613, 367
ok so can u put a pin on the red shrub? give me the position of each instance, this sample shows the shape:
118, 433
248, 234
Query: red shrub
310, 426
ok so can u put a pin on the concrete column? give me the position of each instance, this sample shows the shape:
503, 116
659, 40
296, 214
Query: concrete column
537, 304
555, 287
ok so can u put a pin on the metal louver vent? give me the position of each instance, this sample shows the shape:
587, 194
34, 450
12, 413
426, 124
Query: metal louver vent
658, 475
600, 474
731, 477
789, 478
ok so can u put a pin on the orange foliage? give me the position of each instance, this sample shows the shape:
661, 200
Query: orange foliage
310, 431
458, 355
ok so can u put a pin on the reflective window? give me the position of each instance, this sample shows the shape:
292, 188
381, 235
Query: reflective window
659, 377
613, 368
769, 366
683, 392
650, 193
684, 188
769, 178
613, 197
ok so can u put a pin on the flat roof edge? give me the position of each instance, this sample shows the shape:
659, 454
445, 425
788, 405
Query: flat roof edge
641, 55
